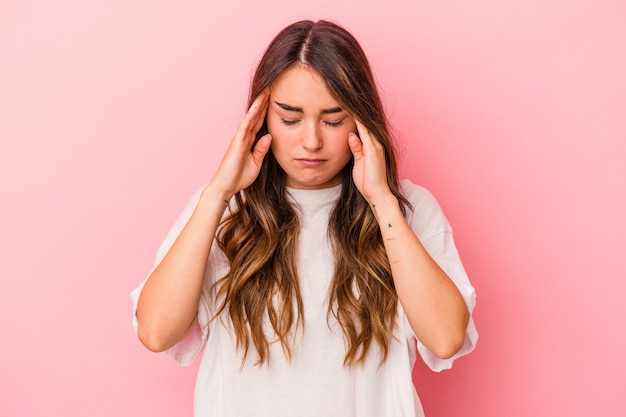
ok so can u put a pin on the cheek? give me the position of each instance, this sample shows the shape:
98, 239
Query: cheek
343, 133
351, 126
278, 129
339, 137
280, 136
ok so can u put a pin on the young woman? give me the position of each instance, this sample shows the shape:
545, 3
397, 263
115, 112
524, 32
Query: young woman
306, 272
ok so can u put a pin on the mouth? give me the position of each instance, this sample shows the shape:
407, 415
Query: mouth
310, 162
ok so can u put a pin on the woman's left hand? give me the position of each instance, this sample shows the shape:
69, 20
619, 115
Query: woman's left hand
370, 168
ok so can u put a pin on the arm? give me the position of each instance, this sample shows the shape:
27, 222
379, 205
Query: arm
167, 306
433, 304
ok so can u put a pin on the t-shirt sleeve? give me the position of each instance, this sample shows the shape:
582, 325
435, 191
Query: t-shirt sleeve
432, 228
188, 349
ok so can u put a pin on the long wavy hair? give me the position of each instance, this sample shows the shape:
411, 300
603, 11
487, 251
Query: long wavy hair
260, 236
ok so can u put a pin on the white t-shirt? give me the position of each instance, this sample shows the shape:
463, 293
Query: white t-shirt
315, 383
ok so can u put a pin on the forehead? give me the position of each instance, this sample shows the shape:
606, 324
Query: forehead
302, 86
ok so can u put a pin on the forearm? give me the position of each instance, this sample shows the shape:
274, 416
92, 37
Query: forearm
433, 304
167, 306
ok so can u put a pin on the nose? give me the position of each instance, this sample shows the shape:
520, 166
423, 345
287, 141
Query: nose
311, 139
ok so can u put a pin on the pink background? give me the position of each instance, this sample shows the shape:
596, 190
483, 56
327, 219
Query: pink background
513, 113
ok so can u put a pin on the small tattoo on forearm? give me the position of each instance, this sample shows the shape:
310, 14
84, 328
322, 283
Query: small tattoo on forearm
389, 225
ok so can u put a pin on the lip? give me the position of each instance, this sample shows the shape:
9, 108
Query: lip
311, 162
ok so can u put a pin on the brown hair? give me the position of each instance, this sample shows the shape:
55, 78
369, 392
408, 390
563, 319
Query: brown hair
260, 236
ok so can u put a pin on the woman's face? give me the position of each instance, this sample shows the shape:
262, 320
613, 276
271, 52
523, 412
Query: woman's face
309, 130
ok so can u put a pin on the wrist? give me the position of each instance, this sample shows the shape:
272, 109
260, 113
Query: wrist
213, 192
384, 201
213, 199
384, 205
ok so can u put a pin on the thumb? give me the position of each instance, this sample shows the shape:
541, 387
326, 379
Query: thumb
261, 147
356, 146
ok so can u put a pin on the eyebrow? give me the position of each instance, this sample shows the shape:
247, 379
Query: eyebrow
300, 110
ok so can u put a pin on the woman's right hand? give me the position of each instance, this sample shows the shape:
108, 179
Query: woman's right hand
243, 159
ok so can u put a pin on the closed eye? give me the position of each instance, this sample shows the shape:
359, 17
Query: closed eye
288, 122
334, 124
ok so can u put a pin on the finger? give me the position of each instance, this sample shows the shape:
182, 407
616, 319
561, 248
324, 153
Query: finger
369, 141
260, 119
254, 109
364, 134
246, 122
256, 113
361, 128
244, 136
259, 100
261, 148
356, 146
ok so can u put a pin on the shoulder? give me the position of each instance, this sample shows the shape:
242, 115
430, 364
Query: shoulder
416, 193
425, 214
421, 199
